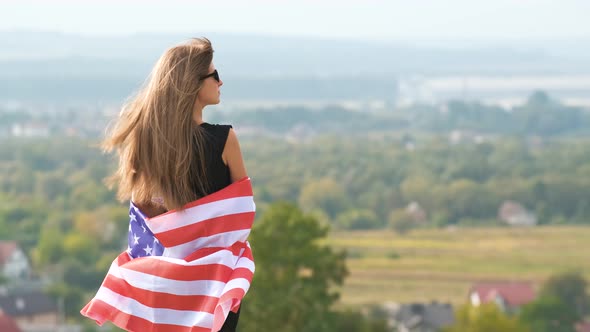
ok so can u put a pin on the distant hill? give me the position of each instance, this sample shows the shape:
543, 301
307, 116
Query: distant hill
56, 66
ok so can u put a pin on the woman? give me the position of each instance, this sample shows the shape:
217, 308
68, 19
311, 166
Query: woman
168, 158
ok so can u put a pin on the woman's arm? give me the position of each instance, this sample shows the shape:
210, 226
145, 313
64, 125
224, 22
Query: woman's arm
232, 156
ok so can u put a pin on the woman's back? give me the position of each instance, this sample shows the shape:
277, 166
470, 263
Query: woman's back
216, 169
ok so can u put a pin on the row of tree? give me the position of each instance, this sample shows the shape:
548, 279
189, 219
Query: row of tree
361, 184
349, 183
540, 115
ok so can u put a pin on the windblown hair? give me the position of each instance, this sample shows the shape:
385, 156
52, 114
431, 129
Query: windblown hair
159, 145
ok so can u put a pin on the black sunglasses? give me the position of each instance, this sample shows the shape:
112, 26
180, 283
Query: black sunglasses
214, 74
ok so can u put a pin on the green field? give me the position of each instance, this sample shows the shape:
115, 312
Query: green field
441, 265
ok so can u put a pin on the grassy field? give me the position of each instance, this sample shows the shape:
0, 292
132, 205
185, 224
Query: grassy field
441, 265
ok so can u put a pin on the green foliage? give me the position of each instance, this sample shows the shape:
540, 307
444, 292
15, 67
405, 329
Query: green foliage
569, 288
55, 204
485, 318
352, 321
293, 285
81, 274
333, 176
72, 295
549, 314
82, 247
325, 194
562, 302
358, 219
400, 221
49, 250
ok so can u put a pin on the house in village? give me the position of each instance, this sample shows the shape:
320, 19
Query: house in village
23, 306
420, 317
582, 327
300, 133
465, 136
416, 212
514, 214
508, 296
13, 261
32, 311
7, 324
33, 129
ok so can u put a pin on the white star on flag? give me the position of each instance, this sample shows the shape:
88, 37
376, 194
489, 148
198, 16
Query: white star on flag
135, 239
132, 216
147, 249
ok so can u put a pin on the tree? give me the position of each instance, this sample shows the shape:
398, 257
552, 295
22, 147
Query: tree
49, 250
485, 318
293, 287
563, 301
470, 199
73, 297
400, 221
326, 194
549, 314
570, 289
81, 247
358, 219
51, 185
539, 99
352, 321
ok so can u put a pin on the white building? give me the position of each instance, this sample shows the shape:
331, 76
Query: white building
13, 261
30, 130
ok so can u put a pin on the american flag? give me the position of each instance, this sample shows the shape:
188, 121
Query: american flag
183, 270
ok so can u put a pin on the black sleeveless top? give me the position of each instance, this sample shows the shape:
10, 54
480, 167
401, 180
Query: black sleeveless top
218, 178
217, 171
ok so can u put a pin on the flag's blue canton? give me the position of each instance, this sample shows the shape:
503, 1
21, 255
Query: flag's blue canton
142, 241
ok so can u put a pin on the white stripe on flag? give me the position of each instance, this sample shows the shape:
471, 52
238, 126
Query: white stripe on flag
237, 283
221, 240
246, 263
177, 287
155, 315
202, 212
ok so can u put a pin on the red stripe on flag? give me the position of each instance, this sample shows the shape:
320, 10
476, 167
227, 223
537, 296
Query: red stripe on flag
205, 228
216, 272
169, 270
123, 258
248, 254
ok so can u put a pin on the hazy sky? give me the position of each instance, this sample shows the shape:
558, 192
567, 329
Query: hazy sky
372, 19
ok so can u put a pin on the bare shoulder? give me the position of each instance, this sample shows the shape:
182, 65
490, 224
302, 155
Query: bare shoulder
230, 145
232, 138
232, 155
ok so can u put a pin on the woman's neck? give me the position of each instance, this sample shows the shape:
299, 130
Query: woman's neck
198, 114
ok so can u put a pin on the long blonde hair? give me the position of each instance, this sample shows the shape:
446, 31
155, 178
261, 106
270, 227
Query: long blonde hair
159, 145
